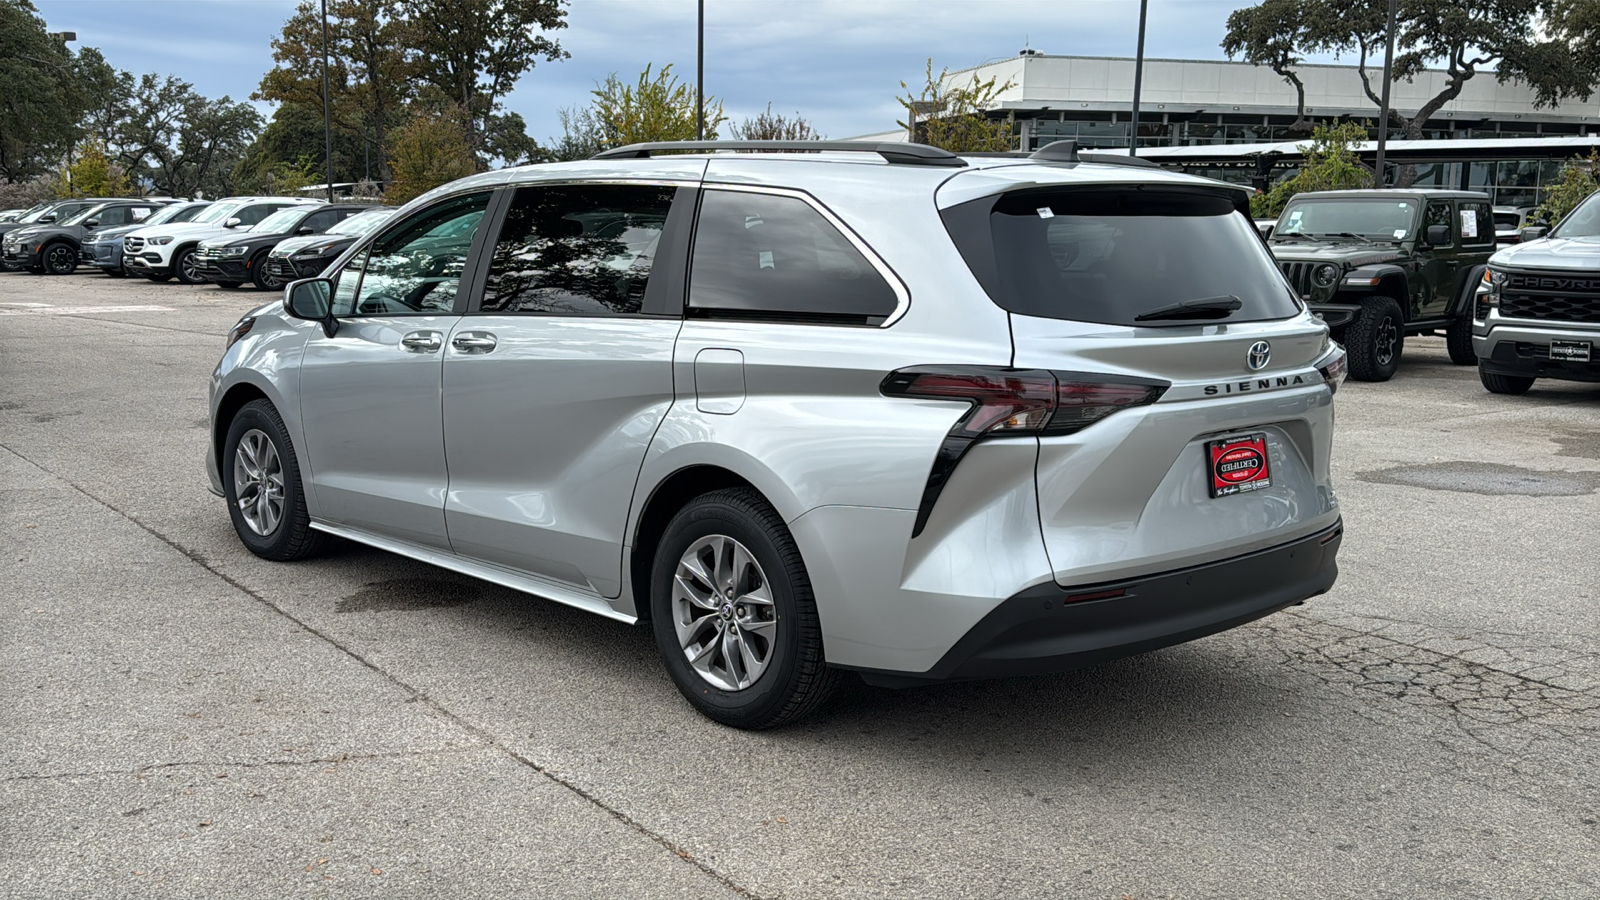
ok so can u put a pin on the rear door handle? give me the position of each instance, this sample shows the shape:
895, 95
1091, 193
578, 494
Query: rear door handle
422, 341
473, 342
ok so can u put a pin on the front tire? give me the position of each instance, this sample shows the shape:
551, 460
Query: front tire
116, 273
1458, 338
734, 616
264, 280
59, 259
159, 279
261, 480
1375, 340
229, 285
184, 268
1504, 384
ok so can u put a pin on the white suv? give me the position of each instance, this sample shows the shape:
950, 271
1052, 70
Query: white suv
162, 252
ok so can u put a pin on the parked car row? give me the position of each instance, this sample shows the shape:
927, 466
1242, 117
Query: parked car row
226, 242
1380, 265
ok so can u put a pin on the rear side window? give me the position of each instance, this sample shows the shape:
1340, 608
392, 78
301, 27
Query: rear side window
1107, 256
776, 257
1475, 224
582, 250
252, 215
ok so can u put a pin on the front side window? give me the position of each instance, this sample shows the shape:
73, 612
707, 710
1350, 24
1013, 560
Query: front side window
1439, 214
771, 256
251, 216
415, 267
577, 250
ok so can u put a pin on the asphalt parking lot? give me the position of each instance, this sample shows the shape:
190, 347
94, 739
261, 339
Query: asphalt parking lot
183, 719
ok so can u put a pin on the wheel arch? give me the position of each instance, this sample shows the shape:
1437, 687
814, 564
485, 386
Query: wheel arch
665, 499
233, 400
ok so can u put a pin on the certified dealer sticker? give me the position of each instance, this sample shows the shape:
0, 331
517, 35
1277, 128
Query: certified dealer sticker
1238, 464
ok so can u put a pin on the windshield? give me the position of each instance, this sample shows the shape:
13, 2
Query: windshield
179, 212
217, 213
282, 220
86, 215
1112, 256
34, 214
361, 222
1377, 219
1582, 222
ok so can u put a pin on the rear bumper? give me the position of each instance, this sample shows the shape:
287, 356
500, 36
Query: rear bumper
1047, 628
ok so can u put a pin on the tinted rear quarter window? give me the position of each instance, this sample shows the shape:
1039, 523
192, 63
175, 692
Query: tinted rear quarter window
1107, 256
771, 256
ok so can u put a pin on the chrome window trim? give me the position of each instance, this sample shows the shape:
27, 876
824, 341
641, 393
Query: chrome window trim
901, 293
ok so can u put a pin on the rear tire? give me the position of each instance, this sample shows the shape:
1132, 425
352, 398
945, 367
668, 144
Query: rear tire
273, 522
159, 279
1375, 340
1458, 338
1504, 384
751, 618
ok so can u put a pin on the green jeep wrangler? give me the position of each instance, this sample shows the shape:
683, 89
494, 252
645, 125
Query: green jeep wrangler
1381, 264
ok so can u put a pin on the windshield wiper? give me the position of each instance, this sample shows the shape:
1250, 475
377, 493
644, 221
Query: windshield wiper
1285, 235
1206, 308
1346, 234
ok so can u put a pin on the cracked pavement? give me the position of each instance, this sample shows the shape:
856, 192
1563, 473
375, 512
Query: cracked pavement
180, 717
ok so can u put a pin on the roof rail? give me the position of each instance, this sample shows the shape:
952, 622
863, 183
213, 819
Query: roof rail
900, 154
1067, 151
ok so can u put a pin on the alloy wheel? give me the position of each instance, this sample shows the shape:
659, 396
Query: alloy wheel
723, 611
258, 482
59, 259
190, 271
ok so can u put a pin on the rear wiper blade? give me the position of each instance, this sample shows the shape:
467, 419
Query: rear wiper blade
1206, 308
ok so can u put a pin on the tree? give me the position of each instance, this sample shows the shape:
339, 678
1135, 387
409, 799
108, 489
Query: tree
42, 101
1331, 165
1579, 178
294, 134
474, 51
434, 148
582, 136
1547, 44
182, 142
764, 126
1270, 35
90, 174
954, 116
657, 107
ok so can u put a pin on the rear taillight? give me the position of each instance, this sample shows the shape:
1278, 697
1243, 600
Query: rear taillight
1012, 402
1334, 366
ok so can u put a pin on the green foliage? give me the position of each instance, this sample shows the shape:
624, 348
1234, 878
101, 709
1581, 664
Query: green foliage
1331, 165
285, 179
434, 148
657, 107
581, 136
295, 134
764, 126
91, 174
1580, 177
953, 116
1272, 35
45, 93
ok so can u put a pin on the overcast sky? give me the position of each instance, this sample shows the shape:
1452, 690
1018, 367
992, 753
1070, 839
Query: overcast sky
837, 62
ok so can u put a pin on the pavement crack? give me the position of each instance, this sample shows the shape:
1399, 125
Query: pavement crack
414, 693
141, 771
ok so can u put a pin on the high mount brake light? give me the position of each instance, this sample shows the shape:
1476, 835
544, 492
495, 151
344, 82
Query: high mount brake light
1012, 402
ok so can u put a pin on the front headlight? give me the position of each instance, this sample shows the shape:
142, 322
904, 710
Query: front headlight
310, 252
231, 251
1325, 274
238, 331
159, 241
1496, 277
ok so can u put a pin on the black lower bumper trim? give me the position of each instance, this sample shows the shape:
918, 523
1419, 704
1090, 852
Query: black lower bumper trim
1526, 360
1035, 632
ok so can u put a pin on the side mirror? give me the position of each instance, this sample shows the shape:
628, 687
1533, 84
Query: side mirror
1437, 235
305, 229
1534, 232
312, 299
92, 223
47, 217
232, 223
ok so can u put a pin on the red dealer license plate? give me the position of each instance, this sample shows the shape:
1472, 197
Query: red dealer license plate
1238, 464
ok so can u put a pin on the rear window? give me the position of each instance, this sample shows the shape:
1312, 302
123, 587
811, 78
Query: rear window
1107, 256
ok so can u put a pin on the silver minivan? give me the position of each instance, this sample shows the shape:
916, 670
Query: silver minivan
827, 407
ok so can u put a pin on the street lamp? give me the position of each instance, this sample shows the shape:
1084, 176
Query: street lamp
1383, 108
327, 108
700, 75
1138, 79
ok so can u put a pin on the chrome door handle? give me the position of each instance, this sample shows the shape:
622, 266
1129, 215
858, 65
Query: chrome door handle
473, 342
421, 341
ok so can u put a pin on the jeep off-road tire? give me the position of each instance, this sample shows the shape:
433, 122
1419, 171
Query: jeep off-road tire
1375, 339
1504, 384
699, 605
276, 526
1458, 339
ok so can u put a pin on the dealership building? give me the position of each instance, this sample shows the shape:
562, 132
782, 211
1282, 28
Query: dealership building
1232, 120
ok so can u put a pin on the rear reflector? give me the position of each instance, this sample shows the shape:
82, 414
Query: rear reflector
1012, 402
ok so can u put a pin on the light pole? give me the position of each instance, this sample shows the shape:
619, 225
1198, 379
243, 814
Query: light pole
327, 108
1138, 79
1383, 108
700, 74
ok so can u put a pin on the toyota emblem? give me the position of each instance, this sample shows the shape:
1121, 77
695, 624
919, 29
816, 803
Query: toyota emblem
1258, 355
